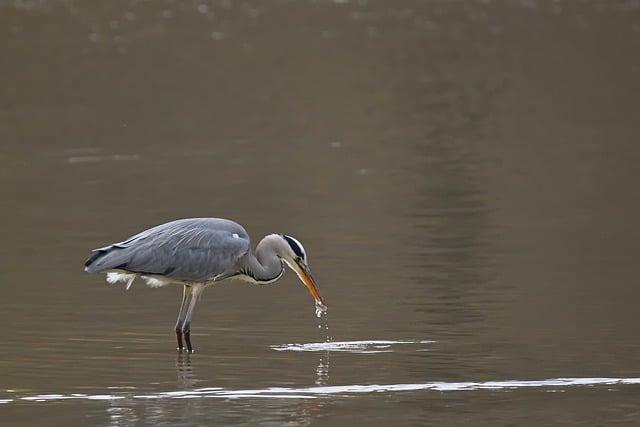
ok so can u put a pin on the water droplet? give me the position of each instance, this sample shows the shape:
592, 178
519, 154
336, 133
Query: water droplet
320, 309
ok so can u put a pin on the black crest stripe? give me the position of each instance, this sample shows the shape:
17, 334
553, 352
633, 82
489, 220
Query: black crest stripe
296, 248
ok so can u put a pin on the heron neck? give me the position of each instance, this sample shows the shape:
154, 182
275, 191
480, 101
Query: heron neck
264, 267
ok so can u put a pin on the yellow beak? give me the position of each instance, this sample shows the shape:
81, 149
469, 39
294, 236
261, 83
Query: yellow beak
307, 279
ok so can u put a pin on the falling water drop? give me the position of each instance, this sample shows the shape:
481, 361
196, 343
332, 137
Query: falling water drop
323, 323
320, 309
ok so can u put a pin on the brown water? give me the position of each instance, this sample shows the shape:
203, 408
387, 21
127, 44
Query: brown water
463, 175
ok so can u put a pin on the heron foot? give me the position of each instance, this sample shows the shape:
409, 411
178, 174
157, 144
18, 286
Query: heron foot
187, 338
179, 337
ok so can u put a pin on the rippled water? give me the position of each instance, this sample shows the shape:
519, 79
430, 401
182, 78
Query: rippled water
462, 175
371, 346
314, 392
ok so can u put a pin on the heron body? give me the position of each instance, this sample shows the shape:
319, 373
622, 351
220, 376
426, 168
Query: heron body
196, 253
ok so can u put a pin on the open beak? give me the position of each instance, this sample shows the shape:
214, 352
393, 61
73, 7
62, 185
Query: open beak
307, 279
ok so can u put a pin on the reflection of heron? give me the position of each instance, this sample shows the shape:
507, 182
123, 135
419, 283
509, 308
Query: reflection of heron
184, 370
197, 253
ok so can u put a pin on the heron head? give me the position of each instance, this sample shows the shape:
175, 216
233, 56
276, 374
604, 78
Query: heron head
294, 255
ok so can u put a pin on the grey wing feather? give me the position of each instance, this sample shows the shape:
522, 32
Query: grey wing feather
191, 249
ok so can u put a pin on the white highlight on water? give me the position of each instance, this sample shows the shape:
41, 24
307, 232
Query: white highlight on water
368, 346
98, 158
48, 397
345, 390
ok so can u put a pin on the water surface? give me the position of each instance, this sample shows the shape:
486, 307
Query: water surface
463, 176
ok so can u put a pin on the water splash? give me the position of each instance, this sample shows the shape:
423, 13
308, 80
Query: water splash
321, 309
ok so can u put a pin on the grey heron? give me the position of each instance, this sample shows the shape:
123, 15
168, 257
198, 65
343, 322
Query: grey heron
196, 253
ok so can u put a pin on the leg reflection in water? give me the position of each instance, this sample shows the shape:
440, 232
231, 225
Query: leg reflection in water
184, 371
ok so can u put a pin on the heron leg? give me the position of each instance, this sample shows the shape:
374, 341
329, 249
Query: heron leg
186, 292
186, 324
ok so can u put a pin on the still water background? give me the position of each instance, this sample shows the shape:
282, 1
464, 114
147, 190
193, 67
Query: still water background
463, 175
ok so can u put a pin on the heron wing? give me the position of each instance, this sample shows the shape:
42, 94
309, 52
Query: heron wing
193, 249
